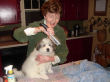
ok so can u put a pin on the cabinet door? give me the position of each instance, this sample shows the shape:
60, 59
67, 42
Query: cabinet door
82, 9
79, 49
69, 9
1, 71
9, 12
74, 9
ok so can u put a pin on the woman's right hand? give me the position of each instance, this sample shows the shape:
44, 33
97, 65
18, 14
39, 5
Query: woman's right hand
48, 32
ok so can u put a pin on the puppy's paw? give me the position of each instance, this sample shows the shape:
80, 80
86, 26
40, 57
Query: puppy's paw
35, 76
15, 69
44, 77
50, 71
18, 73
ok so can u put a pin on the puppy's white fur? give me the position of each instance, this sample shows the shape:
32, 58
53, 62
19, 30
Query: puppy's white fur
31, 68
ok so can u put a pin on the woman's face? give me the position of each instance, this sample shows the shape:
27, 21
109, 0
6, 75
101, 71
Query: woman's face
52, 19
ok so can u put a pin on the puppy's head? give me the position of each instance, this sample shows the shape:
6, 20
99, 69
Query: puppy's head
46, 46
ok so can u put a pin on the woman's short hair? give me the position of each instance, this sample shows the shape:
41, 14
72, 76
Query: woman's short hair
52, 6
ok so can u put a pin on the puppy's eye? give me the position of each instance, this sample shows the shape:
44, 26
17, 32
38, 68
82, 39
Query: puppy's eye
43, 45
50, 45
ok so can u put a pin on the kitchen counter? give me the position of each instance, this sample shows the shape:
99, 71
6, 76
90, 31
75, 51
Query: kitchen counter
13, 43
81, 36
10, 44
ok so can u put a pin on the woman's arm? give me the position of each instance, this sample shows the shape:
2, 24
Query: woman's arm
44, 59
19, 35
62, 50
22, 36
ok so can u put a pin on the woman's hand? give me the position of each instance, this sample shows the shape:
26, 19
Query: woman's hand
49, 31
44, 59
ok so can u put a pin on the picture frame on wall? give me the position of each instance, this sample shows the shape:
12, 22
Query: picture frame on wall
100, 7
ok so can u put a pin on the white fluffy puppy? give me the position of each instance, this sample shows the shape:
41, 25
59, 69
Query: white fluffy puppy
31, 67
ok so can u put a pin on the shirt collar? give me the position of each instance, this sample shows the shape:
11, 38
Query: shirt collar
44, 21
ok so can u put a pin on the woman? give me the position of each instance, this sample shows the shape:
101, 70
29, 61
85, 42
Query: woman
34, 33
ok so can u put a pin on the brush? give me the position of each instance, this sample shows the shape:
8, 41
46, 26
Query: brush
53, 38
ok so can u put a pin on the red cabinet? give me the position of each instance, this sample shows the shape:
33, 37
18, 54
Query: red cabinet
74, 9
83, 9
1, 72
9, 12
79, 48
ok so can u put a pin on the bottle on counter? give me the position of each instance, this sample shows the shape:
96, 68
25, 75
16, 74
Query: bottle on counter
76, 30
10, 74
5, 79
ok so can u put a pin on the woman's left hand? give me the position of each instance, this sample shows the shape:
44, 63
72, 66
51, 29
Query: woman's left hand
50, 30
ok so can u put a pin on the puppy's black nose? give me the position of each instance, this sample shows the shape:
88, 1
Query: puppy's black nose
48, 50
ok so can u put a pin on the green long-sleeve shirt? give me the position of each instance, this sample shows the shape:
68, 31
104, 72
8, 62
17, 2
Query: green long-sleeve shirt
61, 50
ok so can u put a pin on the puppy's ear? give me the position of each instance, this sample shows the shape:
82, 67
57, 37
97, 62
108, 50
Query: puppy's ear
54, 46
38, 47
